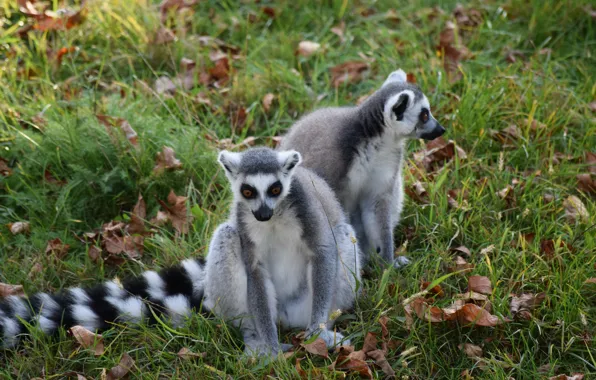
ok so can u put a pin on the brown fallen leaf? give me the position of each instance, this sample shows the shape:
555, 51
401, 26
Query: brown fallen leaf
267, 101
512, 55
473, 314
94, 253
417, 192
351, 364
137, 217
468, 17
462, 250
187, 354
221, 71
56, 248
339, 30
166, 160
480, 284
19, 227
575, 210
462, 265
547, 247
307, 48
435, 291
590, 281
348, 72
11, 290
438, 152
453, 51
575, 376
172, 6
471, 350
521, 306
111, 122
4, 169
317, 347
269, 11
122, 369
585, 183
508, 195
62, 19
508, 136
379, 357
87, 339
410, 78
384, 331
177, 212
164, 85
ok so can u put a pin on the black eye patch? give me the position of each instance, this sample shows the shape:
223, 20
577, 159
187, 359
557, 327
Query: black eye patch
248, 191
275, 189
424, 116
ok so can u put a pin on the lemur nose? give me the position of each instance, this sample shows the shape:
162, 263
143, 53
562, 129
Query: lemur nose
263, 214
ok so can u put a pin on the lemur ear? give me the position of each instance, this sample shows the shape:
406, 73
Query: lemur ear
289, 159
398, 76
230, 161
400, 106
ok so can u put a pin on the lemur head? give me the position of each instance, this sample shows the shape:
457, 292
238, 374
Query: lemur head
406, 109
260, 177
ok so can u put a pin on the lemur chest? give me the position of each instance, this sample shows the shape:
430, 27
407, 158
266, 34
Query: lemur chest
373, 173
280, 248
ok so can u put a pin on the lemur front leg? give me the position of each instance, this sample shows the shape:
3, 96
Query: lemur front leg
376, 218
235, 292
324, 276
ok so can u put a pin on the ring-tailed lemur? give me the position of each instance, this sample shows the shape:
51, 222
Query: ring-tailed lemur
359, 151
172, 293
286, 253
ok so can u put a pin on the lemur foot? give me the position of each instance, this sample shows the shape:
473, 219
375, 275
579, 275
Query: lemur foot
332, 338
260, 350
400, 262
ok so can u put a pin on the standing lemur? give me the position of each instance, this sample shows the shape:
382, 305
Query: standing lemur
285, 254
359, 151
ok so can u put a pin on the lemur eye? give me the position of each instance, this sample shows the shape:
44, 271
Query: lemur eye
424, 116
247, 191
275, 189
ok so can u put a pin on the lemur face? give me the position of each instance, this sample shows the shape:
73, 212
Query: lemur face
260, 178
407, 110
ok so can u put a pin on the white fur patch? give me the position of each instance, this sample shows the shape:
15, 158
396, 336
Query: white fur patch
19, 306
130, 309
114, 290
11, 330
196, 274
85, 317
46, 325
178, 307
155, 285
79, 295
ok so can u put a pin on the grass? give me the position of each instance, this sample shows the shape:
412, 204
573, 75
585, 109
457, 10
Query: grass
103, 177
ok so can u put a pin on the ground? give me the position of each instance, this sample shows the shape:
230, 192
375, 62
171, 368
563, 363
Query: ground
512, 81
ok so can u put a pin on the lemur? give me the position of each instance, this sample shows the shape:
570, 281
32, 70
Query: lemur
285, 254
359, 151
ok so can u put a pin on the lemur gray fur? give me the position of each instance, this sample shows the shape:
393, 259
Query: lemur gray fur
286, 253
359, 151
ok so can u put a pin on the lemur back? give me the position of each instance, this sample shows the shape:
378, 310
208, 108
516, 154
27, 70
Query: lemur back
359, 151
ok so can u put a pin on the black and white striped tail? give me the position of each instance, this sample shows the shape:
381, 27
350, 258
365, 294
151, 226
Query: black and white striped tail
173, 293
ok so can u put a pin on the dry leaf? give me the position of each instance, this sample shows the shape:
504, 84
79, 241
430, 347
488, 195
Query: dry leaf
436, 290
57, 248
267, 100
585, 183
471, 350
379, 357
177, 212
87, 339
4, 169
122, 369
187, 354
164, 85
60, 20
474, 314
221, 71
462, 265
522, 306
508, 136
166, 160
348, 72
317, 347
480, 284
110, 122
308, 48
11, 290
575, 210
512, 55
453, 50
339, 31
18, 227
575, 376
590, 281
417, 192
351, 364
137, 220
94, 253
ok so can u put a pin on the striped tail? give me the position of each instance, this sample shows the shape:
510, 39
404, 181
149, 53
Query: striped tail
173, 293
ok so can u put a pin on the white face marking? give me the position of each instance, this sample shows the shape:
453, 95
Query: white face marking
405, 128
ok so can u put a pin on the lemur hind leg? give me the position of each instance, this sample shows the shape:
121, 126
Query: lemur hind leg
226, 287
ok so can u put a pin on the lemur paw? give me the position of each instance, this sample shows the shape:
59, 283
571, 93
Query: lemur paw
400, 262
260, 350
332, 338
